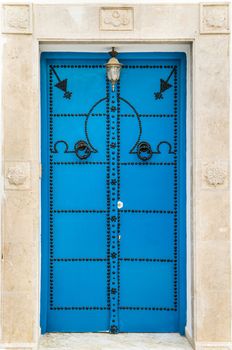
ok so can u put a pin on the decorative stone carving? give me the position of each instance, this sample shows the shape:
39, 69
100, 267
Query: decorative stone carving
214, 18
17, 19
215, 175
17, 176
116, 18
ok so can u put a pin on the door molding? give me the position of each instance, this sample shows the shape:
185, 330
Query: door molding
157, 47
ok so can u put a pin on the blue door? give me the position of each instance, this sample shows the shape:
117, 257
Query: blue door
113, 193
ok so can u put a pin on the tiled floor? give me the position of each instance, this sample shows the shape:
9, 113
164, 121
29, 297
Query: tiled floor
104, 341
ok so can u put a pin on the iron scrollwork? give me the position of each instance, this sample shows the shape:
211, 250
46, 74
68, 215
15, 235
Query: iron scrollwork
82, 149
161, 144
143, 149
164, 85
132, 151
145, 152
62, 85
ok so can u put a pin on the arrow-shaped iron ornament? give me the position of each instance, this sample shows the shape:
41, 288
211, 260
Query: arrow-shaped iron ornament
62, 85
164, 85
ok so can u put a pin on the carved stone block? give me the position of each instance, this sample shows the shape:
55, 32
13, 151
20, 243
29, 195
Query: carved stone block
215, 175
17, 19
214, 18
17, 175
116, 18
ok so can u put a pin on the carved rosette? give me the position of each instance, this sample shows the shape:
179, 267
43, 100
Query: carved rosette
116, 18
17, 19
214, 18
17, 175
215, 175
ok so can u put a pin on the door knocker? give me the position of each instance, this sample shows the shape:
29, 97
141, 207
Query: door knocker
144, 150
82, 150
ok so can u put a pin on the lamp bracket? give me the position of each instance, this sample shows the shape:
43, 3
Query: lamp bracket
113, 53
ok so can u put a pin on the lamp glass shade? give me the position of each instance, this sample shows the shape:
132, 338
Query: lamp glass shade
113, 68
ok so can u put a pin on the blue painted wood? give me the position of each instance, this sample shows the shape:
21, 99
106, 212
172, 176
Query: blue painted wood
104, 268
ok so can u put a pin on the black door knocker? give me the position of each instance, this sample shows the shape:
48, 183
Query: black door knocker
144, 150
82, 149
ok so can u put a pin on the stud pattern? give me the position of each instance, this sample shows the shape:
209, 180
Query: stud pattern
150, 163
104, 115
79, 308
51, 215
113, 192
142, 308
83, 150
108, 195
175, 192
119, 183
80, 163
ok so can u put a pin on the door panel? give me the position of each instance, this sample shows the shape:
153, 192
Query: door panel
137, 288
73, 280
140, 239
78, 194
147, 196
105, 267
81, 228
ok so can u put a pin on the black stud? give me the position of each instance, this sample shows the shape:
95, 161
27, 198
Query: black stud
113, 218
113, 329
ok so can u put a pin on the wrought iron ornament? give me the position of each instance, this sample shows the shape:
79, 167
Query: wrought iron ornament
83, 149
164, 85
62, 85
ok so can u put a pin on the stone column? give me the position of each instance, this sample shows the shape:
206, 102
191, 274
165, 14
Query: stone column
212, 273
20, 238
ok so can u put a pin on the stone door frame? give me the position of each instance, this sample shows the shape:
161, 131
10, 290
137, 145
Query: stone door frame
206, 27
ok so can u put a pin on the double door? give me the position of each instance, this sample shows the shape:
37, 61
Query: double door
113, 194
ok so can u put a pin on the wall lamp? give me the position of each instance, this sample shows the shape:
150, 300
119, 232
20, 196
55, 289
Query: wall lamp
113, 68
